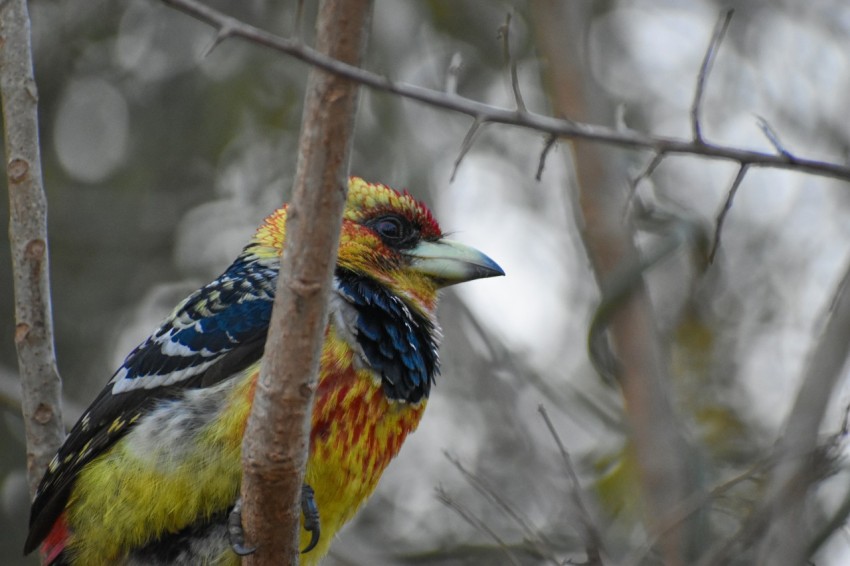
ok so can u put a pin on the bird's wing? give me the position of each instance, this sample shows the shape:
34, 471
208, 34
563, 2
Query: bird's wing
216, 332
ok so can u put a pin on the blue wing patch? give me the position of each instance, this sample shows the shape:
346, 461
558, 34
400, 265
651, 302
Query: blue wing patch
232, 310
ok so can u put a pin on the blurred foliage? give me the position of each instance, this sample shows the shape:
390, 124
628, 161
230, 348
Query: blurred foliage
159, 161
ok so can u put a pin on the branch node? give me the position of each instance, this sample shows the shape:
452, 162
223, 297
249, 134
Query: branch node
18, 170
773, 138
225, 31
644, 174
708, 60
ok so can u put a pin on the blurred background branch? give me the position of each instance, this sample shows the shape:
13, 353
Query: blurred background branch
227, 27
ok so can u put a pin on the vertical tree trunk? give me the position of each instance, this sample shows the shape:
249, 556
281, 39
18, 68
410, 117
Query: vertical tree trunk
276, 439
41, 386
661, 451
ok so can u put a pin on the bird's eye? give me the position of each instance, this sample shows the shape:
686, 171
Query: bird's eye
394, 230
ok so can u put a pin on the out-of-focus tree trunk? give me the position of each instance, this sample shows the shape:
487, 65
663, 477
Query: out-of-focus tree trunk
277, 435
661, 451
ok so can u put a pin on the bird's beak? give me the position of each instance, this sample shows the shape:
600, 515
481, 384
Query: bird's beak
449, 262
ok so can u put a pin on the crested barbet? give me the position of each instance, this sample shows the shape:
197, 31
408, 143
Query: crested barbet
151, 472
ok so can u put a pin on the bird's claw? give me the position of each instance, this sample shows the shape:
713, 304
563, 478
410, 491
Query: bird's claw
235, 531
311, 523
311, 516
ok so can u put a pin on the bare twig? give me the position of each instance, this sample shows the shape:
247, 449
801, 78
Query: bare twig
785, 542
488, 113
40, 380
693, 504
475, 522
453, 72
274, 450
589, 533
707, 61
551, 140
468, 140
644, 174
505, 33
533, 536
222, 33
727, 206
773, 138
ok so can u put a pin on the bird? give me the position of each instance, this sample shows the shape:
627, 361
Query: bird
151, 472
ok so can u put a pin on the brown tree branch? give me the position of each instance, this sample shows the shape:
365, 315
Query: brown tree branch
276, 439
487, 113
41, 385
786, 540
662, 452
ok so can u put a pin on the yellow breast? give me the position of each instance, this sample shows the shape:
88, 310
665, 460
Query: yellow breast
355, 433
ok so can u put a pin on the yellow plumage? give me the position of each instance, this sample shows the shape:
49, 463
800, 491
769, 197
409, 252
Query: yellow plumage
152, 469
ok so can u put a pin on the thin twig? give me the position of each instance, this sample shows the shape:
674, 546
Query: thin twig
468, 140
551, 140
453, 72
727, 206
644, 174
707, 61
693, 504
222, 33
533, 536
590, 535
773, 138
505, 33
475, 522
488, 113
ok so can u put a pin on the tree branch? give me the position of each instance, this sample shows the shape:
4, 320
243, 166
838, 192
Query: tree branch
786, 540
662, 452
707, 62
277, 435
486, 113
28, 237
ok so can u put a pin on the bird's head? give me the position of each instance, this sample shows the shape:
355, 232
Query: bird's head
393, 239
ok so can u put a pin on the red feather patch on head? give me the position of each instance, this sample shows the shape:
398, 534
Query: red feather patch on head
369, 199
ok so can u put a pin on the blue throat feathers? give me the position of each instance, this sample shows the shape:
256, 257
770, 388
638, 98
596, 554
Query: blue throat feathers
398, 342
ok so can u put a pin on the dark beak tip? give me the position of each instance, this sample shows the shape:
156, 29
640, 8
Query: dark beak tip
490, 269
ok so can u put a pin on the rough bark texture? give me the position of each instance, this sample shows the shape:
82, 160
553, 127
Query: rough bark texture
28, 237
661, 451
276, 439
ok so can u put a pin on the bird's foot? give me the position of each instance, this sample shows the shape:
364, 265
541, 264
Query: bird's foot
235, 531
311, 516
311, 523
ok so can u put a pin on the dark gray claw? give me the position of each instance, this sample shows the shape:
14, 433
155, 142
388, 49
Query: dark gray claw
311, 517
236, 533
